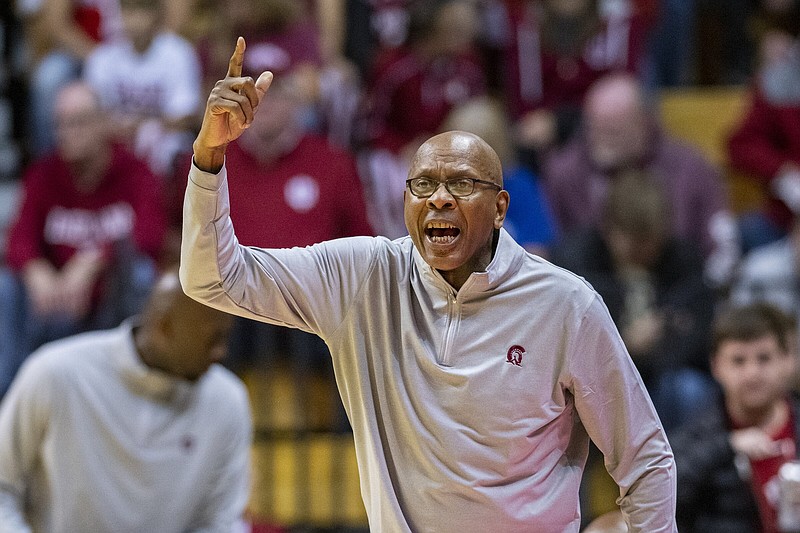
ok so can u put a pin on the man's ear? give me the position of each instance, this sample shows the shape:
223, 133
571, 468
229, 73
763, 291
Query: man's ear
164, 330
501, 205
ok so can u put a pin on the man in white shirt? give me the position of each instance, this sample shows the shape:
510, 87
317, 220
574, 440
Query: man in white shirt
128, 430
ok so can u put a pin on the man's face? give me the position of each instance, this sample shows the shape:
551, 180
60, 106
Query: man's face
274, 131
616, 126
753, 374
140, 21
80, 126
454, 235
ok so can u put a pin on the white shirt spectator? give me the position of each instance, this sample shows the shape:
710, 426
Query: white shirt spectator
162, 85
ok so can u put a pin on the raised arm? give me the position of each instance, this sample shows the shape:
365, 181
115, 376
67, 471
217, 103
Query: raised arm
276, 286
229, 111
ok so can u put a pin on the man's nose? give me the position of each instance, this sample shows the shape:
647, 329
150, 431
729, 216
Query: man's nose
441, 198
752, 370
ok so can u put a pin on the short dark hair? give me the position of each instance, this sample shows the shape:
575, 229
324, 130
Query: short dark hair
751, 322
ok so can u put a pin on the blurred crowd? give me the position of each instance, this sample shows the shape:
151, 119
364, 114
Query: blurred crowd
100, 101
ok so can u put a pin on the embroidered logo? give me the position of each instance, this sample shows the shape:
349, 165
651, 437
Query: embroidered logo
187, 443
515, 354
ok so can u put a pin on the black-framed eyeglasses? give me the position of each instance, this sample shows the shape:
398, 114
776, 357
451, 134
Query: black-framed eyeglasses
458, 187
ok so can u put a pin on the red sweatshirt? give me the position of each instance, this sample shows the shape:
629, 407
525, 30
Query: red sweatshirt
767, 138
55, 219
535, 77
311, 195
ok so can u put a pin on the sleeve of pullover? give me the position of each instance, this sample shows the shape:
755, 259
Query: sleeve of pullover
620, 418
308, 288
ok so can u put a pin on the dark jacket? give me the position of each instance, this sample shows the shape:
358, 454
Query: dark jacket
712, 496
682, 296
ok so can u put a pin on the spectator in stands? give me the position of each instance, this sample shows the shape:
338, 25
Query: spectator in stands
771, 273
620, 133
653, 285
410, 92
553, 51
130, 429
61, 34
150, 84
766, 147
728, 457
529, 218
82, 246
306, 185
361, 31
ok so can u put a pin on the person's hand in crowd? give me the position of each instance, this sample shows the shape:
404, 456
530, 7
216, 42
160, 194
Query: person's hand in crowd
229, 111
754, 443
41, 284
77, 280
642, 334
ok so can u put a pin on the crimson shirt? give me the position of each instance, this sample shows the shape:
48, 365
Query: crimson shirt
767, 138
55, 219
311, 195
539, 78
765, 476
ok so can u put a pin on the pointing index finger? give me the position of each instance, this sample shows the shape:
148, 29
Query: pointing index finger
235, 64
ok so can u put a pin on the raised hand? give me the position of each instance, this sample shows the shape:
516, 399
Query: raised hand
229, 111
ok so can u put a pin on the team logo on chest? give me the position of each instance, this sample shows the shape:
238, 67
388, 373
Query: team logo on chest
514, 355
301, 193
187, 443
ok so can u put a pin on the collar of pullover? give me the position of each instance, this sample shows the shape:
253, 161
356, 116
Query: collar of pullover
506, 261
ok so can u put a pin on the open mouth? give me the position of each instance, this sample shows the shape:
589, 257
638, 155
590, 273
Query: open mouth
441, 232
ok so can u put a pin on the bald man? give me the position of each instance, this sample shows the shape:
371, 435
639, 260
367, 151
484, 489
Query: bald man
128, 430
472, 372
620, 133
